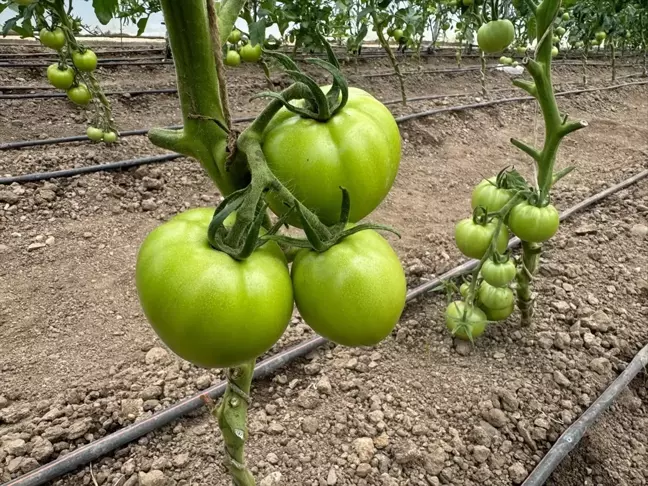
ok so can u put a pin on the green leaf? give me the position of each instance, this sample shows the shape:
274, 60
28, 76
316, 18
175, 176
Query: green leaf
10, 24
105, 9
141, 25
257, 32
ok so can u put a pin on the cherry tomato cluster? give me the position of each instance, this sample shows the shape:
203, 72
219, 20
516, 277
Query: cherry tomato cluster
218, 311
70, 78
246, 53
497, 208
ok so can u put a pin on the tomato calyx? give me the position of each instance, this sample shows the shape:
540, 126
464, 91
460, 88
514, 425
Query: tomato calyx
316, 105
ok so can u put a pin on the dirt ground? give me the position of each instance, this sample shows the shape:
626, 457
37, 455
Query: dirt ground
79, 361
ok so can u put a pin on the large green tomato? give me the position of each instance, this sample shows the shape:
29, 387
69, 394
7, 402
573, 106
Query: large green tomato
85, 61
489, 196
533, 224
95, 134
465, 322
495, 297
398, 34
495, 36
235, 36
54, 39
473, 239
498, 274
209, 308
601, 36
250, 53
353, 293
79, 94
359, 149
498, 314
60, 78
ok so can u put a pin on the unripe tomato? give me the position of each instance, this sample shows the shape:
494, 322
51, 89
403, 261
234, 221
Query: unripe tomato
463, 290
353, 293
250, 53
495, 36
465, 322
560, 31
54, 39
445, 26
60, 78
235, 36
533, 224
95, 134
85, 61
232, 59
110, 137
565, 17
473, 239
209, 308
521, 50
359, 149
555, 39
487, 195
495, 297
398, 34
498, 274
79, 94
498, 314
554, 51
507, 61
601, 36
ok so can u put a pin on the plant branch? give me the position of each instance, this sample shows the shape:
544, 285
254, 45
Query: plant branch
532, 152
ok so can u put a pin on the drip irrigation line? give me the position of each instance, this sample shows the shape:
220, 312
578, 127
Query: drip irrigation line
34, 65
484, 104
124, 164
30, 96
97, 449
572, 436
167, 158
99, 52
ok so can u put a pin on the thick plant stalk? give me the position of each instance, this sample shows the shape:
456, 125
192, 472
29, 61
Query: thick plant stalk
482, 73
205, 132
585, 66
390, 54
556, 128
613, 47
526, 271
232, 421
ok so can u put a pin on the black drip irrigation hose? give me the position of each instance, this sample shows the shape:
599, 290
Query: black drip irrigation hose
40, 176
97, 449
30, 96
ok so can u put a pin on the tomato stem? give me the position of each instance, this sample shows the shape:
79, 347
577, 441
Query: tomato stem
526, 271
378, 27
231, 414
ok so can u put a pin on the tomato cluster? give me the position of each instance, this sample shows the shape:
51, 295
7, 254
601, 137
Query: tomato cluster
499, 205
246, 53
215, 310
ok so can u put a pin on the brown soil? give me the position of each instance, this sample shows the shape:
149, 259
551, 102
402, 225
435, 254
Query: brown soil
78, 359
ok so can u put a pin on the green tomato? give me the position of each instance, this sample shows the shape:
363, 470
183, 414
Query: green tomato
489, 196
473, 239
560, 31
565, 17
555, 39
110, 137
521, 50
498, 274
398, 34
85, 61
601, 36
498, 314
533, 224
235, 36
250, 53
463, 290
445, 26
507, 61
465, 322
210, 309
353, 293
54, 39
495, 36
232, 59
79, 94
359, 149
60, 78
95, 134
580, 44
554, 51
495, 297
